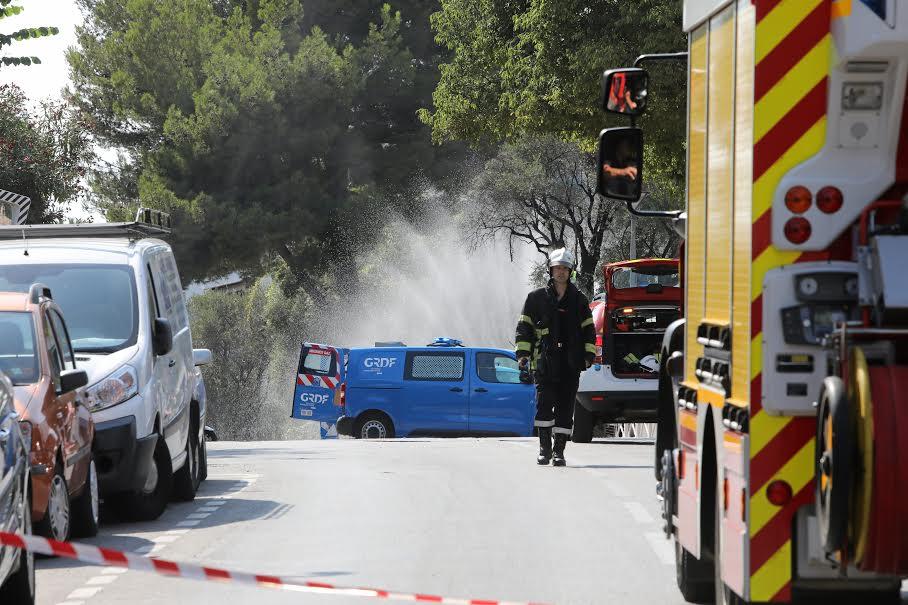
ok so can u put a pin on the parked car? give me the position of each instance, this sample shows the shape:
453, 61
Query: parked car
642, 297
121, 293
399, 391
201, 357
17, 567
37, 355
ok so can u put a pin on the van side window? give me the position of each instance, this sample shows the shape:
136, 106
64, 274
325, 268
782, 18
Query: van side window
53, 354
69, 359
152, 299
497, 368
434, 366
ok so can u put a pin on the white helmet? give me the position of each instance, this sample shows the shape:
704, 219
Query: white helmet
562, 257
650, 363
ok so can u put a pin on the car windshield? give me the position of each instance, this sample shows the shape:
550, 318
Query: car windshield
17, 347
641, 277
98, 301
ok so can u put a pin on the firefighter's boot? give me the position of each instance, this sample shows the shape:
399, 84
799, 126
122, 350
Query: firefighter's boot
560, 442
545, 445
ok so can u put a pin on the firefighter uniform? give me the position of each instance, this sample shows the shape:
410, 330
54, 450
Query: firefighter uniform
559, 338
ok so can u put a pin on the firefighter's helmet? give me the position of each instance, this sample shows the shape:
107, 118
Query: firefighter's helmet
561, 257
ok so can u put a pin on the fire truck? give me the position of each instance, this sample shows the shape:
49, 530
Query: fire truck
784, 387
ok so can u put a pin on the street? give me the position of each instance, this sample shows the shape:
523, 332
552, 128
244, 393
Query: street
471, 518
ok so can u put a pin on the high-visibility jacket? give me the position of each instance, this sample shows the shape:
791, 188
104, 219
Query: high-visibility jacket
535, 337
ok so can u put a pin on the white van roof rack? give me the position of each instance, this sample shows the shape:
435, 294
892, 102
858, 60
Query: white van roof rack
148, 223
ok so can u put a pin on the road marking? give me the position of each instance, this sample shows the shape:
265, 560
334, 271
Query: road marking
661, 546
177, 532
166, 539
216, 503
101, 580
113, 571
198, 516
209, 509
188, 523
639, 512
85, 592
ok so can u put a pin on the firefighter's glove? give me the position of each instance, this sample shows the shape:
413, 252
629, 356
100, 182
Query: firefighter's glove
523, 363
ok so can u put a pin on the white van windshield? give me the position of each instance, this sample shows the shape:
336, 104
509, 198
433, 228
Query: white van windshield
98, 301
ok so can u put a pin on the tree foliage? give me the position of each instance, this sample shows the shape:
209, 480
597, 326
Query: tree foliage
7, 9
260, 125
43, 154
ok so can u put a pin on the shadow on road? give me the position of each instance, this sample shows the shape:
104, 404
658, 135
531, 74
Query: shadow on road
609, 465
112, 541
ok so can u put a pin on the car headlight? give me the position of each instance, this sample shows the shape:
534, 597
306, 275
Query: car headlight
116, 388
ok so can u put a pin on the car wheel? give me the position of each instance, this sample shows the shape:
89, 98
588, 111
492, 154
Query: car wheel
87, 507
148, 503
203, 461
56, 522
20, 587
186, 480
583, 424
374, 426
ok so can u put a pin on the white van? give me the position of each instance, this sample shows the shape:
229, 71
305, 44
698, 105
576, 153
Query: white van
123, 301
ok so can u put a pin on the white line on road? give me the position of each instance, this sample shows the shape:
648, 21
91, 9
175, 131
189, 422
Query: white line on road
101, 580
208, 509
639, 512
113, 571
84, 592
661, 546
188, 523
198, 516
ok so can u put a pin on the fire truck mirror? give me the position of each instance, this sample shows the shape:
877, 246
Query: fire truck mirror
624, 91
620, 174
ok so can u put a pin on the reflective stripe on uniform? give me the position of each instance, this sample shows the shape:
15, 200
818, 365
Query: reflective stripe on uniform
590, 348
561, 430
587, 322
524, 346
544, 423
631, 358
542, 332
525, 319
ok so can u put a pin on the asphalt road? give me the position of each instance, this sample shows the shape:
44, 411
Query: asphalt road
471, 518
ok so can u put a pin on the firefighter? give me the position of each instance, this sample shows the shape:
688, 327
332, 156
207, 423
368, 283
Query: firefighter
556, 341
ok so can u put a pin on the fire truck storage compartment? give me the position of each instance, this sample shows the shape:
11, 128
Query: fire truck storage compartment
639, 345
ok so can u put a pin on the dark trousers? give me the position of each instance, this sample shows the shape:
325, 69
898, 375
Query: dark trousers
555, 403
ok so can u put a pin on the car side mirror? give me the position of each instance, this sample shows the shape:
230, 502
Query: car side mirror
162, 340
70, 380
201, 357
624, 91
620, 170
210, 435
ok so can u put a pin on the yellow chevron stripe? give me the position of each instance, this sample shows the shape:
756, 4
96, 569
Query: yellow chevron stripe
771, 258
793, 87
780, 22
797, 472
769, 579
809, 143
763, 427
840, 8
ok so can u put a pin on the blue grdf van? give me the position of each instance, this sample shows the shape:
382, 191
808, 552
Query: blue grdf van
393, 390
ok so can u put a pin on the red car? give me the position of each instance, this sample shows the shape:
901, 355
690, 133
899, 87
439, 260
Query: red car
642, 297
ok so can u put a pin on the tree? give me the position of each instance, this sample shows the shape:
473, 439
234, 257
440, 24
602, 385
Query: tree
26, 33
534, 67
43, 154
542, 190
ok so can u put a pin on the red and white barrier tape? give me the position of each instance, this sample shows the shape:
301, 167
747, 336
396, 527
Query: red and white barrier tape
115, 558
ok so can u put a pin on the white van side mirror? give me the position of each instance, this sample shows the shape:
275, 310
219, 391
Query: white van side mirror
201, 357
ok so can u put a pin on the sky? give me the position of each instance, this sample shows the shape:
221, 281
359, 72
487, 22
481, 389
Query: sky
49, 78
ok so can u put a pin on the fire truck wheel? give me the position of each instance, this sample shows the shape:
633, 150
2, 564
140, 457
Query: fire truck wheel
583, 424
695, 576
834, 464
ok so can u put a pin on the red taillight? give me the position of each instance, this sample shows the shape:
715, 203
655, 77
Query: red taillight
779, 492
725, 494
598, 357
343, 392
829, 199
798, 199
797, 230
681, 464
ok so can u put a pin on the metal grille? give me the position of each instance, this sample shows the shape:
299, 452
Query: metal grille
437, 367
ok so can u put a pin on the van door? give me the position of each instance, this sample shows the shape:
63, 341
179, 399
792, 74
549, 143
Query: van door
319, 380
436, 390
499, 402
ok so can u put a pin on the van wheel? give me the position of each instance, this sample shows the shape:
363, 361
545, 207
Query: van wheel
695, 577
148, 503
20, 587
186, 480
203, 461
583, 424
87, 507
56, 521
373, 426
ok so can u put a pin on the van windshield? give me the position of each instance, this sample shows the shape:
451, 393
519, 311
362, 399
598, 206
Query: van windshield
98, 301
